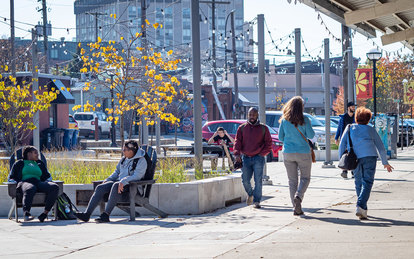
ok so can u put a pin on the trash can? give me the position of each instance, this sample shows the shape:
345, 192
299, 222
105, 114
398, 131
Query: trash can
67, 138
75, 138
52, 138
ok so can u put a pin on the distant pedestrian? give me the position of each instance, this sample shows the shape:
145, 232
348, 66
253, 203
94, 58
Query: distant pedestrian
345, 119
221, 136
253, 143
366, 142
294, 130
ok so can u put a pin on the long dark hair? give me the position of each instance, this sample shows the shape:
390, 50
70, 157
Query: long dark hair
293, 111
27, 150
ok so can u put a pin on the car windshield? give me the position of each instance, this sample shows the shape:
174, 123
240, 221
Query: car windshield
83, 117
315, 122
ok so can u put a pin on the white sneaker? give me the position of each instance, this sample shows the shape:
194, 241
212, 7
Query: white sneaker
361, 213
249, 200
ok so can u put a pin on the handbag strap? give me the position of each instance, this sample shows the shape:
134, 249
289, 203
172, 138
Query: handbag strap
303, 137
349, 137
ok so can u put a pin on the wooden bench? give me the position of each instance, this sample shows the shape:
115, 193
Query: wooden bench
99, 150
133, 198
188, 159
17, 196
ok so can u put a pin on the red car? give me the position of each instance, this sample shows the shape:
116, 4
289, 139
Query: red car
231, 127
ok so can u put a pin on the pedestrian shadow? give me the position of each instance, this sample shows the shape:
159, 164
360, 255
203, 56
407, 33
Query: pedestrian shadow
140, 222
371, 222
276, 208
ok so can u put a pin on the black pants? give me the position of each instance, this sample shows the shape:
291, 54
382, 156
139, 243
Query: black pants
30, 186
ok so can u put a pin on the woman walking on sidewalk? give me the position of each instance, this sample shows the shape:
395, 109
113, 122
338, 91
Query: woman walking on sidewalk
366, 142
294, 130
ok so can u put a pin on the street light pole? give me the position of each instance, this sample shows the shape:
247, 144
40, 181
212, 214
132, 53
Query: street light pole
374, 71
225, 40
374, 55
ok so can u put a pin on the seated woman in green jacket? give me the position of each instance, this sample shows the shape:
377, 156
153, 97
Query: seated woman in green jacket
32, 176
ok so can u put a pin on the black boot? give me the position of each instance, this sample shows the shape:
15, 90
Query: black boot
42, 217
28, 216
103, 218
82, 216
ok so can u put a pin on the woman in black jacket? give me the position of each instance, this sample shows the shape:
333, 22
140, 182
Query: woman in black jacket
31, 176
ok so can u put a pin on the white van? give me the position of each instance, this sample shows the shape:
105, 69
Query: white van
86, 123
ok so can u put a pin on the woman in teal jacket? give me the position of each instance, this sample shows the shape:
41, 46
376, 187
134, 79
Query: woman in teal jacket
293, 131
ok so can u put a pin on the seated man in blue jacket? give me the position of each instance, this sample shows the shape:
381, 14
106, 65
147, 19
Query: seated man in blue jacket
131, 167
345, 119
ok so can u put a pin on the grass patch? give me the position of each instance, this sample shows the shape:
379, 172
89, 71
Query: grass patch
85, 172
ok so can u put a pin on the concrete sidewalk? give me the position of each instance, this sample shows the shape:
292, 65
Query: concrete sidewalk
329, 228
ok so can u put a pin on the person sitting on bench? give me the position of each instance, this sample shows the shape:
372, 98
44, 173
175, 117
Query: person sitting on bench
32, 176
131, 167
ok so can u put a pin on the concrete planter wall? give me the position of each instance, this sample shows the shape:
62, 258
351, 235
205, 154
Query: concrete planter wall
319, 155
195, 197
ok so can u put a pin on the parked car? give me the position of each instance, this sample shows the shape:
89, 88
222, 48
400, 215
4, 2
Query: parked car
86, 123
273, 117
73, 124
231, 127
334, 125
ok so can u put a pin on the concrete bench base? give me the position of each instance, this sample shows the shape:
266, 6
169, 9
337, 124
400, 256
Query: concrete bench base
195, 197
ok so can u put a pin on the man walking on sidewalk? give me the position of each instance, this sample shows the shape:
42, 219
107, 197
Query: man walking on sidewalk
345, 119
253, 142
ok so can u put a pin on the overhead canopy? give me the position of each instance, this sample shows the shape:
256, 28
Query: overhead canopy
64, 96
391, 17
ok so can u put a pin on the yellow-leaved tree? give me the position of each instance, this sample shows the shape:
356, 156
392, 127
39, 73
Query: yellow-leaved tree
136, 77
17, 108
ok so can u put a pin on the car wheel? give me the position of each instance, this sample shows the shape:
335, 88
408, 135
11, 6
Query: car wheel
269, 158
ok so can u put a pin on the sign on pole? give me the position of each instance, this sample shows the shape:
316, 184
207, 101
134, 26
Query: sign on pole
363, 83
409, 93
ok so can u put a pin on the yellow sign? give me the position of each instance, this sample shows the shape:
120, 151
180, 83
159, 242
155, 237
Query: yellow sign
409, 93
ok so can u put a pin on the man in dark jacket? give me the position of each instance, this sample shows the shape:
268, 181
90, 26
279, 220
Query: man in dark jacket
345, 119
253, 142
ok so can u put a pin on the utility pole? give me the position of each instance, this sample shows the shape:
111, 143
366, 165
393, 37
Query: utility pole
298, 63
144, 45
213, 25
345, 45
13, 61
262, 89
236, 83
113, 128
96, 14
195, 34
326, 72
213, 37
35, 87
44, 13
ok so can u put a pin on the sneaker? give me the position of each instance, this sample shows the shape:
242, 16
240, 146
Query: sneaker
344, 174
249, 200
42, 217
103, 218
82, 216
257, 205
361, 213
28, 217
298, 206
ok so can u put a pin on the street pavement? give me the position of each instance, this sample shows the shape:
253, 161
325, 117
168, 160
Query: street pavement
329, 228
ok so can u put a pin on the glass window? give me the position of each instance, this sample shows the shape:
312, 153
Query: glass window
54, 53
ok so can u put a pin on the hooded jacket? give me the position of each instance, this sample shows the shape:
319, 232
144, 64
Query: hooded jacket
252, 140
123, 172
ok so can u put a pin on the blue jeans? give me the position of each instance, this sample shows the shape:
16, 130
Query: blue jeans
364, 179
253, 165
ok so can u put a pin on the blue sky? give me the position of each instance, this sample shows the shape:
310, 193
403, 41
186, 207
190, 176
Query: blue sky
281, 17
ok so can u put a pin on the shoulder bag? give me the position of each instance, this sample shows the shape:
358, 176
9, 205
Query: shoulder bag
349, 160
310, 147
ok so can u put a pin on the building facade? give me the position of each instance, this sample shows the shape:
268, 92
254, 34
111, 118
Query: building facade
93, 18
